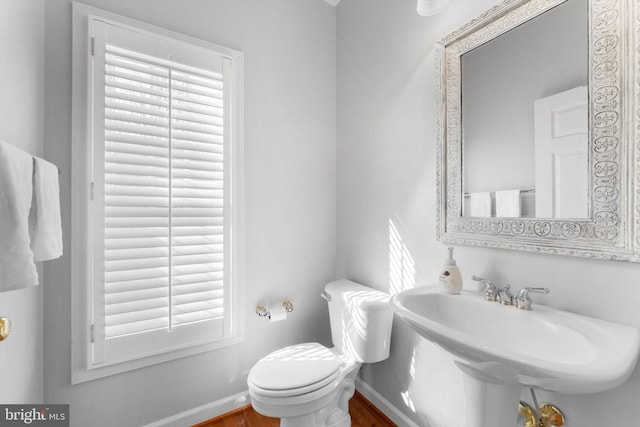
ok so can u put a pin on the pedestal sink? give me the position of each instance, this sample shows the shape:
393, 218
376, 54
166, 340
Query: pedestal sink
501, 348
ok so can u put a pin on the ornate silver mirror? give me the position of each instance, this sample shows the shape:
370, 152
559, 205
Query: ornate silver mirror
539, 129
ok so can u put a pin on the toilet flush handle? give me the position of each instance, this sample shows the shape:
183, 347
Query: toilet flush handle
326, 296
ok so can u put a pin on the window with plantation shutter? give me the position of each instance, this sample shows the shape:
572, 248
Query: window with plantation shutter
164, 209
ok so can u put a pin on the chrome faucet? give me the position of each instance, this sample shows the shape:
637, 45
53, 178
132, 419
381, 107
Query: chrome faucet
490, 291
523, 301
505, 296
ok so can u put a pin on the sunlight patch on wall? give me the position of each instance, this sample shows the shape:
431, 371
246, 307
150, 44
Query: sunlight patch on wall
402, 267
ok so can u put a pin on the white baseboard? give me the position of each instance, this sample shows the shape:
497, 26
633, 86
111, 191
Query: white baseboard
228, 404
204, 412
384, 405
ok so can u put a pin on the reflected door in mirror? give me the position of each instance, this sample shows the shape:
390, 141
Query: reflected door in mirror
561, 155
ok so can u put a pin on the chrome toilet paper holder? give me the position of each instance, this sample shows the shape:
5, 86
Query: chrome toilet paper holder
262, 311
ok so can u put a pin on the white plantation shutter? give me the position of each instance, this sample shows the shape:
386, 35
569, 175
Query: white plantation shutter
161, 190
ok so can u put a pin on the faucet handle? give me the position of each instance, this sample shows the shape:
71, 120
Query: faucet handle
523, 300
490, 291
505, 296
482, 280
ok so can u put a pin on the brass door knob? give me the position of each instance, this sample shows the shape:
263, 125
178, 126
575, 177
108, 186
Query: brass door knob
5, 328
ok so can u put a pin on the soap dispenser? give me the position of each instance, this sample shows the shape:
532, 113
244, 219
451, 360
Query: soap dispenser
450, 277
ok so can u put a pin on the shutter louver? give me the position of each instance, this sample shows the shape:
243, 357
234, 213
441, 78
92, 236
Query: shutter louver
163, 194
197, 197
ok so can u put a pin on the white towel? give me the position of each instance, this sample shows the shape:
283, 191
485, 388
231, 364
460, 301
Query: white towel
481, 204
17, 269
46, 235
508, 204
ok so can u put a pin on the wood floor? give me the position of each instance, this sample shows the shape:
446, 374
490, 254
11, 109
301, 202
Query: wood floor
363, 414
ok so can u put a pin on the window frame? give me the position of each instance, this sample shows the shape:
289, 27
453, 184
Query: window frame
82, 158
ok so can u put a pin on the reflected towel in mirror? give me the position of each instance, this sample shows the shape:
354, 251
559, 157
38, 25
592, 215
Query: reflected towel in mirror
481, 204
508, 204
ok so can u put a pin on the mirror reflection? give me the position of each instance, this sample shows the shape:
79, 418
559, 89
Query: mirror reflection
525, 119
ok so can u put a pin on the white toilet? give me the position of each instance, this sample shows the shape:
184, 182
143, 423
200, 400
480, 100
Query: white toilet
309, 385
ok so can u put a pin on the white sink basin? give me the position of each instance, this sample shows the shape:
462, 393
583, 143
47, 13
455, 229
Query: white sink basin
545, 348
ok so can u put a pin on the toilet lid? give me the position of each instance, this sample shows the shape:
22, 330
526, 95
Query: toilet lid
295, 367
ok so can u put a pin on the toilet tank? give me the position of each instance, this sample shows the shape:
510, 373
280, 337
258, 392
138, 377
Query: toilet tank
361, 319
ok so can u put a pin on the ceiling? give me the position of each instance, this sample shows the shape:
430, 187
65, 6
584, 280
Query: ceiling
333, 2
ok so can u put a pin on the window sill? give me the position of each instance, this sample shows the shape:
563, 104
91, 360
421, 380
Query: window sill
82, 374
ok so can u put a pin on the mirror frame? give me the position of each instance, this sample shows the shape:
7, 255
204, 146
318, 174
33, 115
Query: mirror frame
612, 230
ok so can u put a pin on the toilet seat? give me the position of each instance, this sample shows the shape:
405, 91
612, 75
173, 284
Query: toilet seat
295, 370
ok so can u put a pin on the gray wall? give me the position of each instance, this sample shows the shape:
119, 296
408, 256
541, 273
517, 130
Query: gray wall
385, 202
289, 48
386, 214
21, 124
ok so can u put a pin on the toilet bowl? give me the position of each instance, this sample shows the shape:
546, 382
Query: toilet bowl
309, 385
301, 382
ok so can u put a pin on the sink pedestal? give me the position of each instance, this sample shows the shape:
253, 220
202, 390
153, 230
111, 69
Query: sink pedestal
488, 404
